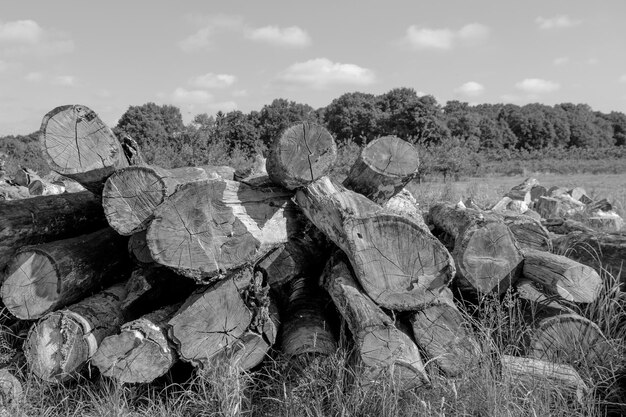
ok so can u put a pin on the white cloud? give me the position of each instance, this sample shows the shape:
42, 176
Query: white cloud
211, 80
556, 22
3, 65
471, 89
182, 95
593, 61
66, 80
428, 38
199, 101
27, 37
210, 26
560, 60
537, 86
322, 72
622, 79
34, 77
291, 36
21, 31
240, 93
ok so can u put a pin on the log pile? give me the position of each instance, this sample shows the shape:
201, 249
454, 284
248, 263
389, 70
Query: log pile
151, 266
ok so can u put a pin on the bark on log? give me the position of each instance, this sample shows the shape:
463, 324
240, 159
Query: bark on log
45, 219
528, 232
61, 343
382, 348
77, 144
10, 390
131, 150
485, 251
445, 336
301, 154
141, 351
566, 226
46, 277
601, 251
207, 228
217, 318
536, 192
560, 275
42, 187
131, 195
559, 206
606, 222
399, 265
579, 194
521, 191
138, 248
404, 204
535, 293
383, 168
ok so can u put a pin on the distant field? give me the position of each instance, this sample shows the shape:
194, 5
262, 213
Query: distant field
489, 190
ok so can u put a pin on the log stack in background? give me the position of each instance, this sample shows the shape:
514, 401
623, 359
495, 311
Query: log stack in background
199, 267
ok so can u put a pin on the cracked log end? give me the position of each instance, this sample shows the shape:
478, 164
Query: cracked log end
383, 168
301, 154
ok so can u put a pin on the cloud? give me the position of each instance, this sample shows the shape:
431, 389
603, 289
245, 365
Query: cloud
34, 77
3, 65
556, 22
427, 38
211, 80
291, 36
182, 95
200, 101
66, 80
560, 60
622, 79
27, 37
322, 72
203, 39
471, 89
537, 86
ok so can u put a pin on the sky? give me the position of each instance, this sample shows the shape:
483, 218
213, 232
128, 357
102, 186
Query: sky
206, 56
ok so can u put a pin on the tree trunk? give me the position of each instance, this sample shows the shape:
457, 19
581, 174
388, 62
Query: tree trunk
383, 168
404, 204
46, 277
138, 248
381, 347
218, 317
77, 144
485, 251
45, 219
399, 265
61, 343
601, 251
131, 150
207, 228
569, 279
528, 232
445, 336
141, 351
301, 154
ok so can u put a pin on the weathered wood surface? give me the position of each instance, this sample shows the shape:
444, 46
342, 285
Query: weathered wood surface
528, 231
534, 292
485, 252
46, 277
138, 247
521, 191
562, 205
383, 168
45, 219
445, 336
42, 187
563, 226
207, 228
404, 204
301, 154
141, 351
382, 348
398, 264
11, 390
78, 145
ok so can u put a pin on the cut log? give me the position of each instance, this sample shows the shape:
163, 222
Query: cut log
529, 373
398, 264
383, 168
217, 318
131, 150
602, 205
404, 204
528, 232
521, 191
536, 192
601, 251
534, 292
485, 252
10, 390
381, 347
131, 195
559, 206
556, 191
579, 194
306, 330
46, 277
140, 352
445, 336
61, 343
138, 248
42, 187
301, 154
560, 275
45, 219
207, 228
77, 144
606, 221
565, 226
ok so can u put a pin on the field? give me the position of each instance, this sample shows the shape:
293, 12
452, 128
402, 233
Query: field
324, 388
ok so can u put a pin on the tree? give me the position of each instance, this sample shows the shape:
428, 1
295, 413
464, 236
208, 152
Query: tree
279, 115
354, 116
151, 124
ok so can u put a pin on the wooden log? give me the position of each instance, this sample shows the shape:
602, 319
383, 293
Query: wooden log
59, 345
383, 168
381, 347
398, 264
485, 252
42, 187
445, 336
528, 232
559, 206
606, 222
602, 205
207, 228
141, 351
46, 277
138, 248
404, 204
535, 293
521, 191
77, 144
556, 191
216, 318
530, 373
536, 192
11, 390
601, 251
131, 195
560, 275
565, 226
579, 194
131, 150
301, 154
